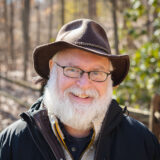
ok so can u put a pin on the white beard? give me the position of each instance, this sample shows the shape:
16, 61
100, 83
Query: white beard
79, 116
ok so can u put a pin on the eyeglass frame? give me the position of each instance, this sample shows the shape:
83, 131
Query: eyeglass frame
82, 72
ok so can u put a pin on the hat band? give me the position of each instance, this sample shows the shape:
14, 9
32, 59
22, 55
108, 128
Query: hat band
90, 45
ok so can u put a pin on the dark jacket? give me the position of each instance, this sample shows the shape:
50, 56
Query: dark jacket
121, 138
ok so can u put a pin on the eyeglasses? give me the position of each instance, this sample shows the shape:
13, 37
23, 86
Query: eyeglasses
74, 72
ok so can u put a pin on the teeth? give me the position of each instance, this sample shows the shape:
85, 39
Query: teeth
81, 96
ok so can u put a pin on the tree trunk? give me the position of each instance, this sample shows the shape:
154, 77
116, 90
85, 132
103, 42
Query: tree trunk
62, 12
149, 26
6, 56
128, 38
92, 9
82, 8
11, 32
76, 11
38, 33
50, 36
115, 25
25, 28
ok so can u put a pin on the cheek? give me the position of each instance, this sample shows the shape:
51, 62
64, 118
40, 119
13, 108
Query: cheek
101, 88
64, 83
107, 88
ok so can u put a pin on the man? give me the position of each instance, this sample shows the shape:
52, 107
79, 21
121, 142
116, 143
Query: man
76, 118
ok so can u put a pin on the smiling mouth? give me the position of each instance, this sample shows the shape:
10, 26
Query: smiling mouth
83, 96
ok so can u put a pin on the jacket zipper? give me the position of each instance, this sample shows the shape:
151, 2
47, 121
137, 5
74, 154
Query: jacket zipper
89, 145
58, 134
61, 139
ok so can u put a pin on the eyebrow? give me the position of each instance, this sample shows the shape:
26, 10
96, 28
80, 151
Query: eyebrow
95, 68
100, 67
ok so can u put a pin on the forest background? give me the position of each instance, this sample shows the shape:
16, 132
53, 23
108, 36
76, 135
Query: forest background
133, 28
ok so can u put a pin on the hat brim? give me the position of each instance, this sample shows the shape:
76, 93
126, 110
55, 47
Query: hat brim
44, 53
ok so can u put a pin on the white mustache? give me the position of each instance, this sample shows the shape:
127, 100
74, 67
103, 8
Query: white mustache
78, 91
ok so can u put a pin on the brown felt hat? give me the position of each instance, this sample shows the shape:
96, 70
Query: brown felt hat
83, 34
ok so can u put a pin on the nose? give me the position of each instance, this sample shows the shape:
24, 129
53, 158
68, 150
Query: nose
84, 82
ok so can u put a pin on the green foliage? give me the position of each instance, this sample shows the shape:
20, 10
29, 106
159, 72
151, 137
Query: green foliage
135, 12
143, 80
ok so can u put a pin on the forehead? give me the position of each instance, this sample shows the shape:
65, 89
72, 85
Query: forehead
81, 57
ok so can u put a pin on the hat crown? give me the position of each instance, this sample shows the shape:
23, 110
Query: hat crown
85, 32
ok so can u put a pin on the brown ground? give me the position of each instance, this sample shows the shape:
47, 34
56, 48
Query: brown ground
9, 112
9, 109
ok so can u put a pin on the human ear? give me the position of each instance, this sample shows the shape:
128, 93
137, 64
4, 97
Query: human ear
50, 64
115, 87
